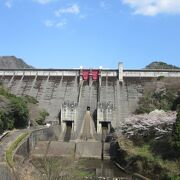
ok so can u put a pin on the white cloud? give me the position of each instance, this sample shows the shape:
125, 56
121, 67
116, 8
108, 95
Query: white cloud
104, 4
73, 9
154, 7
61, 23
43, 1
49, 23
8, 3
56, 24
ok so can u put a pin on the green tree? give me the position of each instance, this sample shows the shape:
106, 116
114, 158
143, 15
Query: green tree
15, 113
176, 130
1, 126
6, 121
20, 112
42, 117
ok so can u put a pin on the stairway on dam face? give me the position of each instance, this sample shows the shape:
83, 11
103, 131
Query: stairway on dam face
93, 97
88, 97
83, 102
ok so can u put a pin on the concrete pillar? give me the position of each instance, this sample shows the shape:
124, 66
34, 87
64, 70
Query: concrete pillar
11, 80
90, 77
120, 68
63, 117
3, 75
100, 117
19, 86
100, 80
69, 114
45, 87
80, 75
33, 83
75, 120
99, 88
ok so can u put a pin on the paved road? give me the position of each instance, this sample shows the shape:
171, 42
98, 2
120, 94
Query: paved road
6, 141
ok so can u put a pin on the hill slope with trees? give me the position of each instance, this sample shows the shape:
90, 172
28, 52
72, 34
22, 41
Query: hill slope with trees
19, 112
160, 65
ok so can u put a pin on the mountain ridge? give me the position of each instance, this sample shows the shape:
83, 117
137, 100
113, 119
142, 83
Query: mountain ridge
161, 65
12, 62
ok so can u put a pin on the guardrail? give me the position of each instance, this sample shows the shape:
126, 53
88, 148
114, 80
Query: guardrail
3, 135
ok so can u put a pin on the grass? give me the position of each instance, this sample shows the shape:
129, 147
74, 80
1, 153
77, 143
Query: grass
149, 159
172, 166
82, 173
144, 151
12, 147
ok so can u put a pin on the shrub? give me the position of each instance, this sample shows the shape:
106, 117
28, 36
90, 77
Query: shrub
42, 117
16, 114
1, 126
160, 78
30, 99
159, 99
20, 112
176, 131
146, 104
6, 121
6, 93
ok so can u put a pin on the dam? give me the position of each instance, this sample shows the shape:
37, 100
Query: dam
110, 94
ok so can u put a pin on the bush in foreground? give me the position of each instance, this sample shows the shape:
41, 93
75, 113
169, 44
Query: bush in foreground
176, 131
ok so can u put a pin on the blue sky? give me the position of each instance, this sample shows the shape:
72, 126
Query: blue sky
91, 33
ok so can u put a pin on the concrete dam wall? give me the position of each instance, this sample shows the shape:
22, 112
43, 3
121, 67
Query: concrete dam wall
111, 94
52, 92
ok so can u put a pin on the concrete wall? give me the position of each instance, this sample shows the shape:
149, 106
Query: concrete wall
54, 87
77, 149
5, 172
151, 73
91, 150
40, 72
30, 142
41, 140
27, 146
103, 72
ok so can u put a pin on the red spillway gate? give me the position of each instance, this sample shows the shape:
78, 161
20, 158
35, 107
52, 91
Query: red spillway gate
95, 74
87, 73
